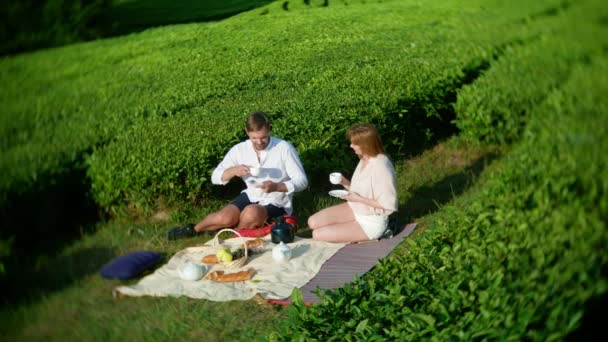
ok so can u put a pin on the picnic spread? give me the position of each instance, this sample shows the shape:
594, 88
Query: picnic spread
242, 278
198, 272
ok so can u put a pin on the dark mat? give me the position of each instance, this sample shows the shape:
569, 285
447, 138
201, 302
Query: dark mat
353, 259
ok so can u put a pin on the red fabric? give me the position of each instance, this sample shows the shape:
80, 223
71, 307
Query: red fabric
263, 231
254, 232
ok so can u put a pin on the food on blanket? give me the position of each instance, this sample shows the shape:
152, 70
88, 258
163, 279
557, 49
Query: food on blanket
239, 253
222, 277
214, 275
210, 259
254, 243
224, 255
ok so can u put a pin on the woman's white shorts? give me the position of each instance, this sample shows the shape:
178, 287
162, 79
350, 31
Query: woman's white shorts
373, 225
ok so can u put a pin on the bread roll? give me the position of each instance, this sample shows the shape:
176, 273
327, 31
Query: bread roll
254, 243
210, 259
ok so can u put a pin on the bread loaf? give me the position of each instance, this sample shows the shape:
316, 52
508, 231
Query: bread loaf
210, 259
222, 277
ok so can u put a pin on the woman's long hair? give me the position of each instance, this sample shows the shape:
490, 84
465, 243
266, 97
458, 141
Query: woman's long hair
366, 136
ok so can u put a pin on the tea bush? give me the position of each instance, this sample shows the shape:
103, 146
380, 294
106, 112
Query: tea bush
103, 109
27, 25
316, 78
518, 259
495, 108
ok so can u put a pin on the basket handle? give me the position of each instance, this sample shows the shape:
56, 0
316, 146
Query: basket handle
216, 239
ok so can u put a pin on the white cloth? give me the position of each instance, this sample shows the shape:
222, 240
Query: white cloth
377, 181
279, 163
373, 225
270, 279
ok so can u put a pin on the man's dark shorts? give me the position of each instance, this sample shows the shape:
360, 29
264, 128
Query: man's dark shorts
242, 200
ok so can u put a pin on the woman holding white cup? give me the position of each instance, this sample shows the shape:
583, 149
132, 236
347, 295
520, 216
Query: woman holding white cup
371, 197
335, 178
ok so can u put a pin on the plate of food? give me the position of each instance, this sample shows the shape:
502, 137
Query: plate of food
338, 193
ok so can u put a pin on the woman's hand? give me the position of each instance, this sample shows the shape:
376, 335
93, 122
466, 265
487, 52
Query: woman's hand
353, 197
345, 183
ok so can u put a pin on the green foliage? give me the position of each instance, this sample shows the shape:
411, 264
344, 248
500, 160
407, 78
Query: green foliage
316, 72
516, 260
174, 168
147, 116
495, 108
32, 25
28, 25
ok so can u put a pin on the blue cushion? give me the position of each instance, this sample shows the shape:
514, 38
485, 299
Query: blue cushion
130, 265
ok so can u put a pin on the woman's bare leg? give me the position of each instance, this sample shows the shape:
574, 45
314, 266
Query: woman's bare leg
340, 232
336, 224
333, 215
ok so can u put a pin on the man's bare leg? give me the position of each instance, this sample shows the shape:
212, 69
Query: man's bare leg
226, 217
253, 216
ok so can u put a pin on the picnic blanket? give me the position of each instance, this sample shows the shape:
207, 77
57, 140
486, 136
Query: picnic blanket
353, 259
271, 280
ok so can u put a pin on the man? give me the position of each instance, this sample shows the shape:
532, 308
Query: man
278, 175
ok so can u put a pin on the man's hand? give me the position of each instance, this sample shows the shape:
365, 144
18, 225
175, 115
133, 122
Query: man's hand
270, 186
235, 171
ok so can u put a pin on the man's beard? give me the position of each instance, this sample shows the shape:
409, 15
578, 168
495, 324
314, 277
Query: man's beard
260, 147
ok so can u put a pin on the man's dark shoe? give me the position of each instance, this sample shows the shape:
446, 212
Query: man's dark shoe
182, 232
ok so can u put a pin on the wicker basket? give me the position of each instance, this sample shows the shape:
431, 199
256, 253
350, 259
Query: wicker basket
234, 263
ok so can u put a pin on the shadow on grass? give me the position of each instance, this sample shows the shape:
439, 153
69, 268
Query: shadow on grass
429, 198
136, 15
41, 223
32, 25
39, 276
592, 324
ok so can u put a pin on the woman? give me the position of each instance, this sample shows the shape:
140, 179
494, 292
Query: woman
371, 198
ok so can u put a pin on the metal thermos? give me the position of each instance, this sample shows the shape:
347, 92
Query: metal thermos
282, 231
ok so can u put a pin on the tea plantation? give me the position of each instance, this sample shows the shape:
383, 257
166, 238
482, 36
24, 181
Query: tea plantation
136, 123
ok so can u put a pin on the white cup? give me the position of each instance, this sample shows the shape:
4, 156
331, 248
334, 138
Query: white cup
254, 171
335, 177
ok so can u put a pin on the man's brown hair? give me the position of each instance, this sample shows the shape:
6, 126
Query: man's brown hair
256, 121
366, 136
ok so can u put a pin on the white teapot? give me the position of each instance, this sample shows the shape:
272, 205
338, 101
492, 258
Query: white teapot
191, 271
281, 252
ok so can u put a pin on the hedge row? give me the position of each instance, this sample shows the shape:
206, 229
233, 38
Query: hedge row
30, 25
316, 69
522, 257
317, 72
495, 109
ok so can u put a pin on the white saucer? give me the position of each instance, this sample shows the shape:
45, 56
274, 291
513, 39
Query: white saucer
338, 193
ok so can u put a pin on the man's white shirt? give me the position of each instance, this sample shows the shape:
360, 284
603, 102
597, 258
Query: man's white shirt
279, 163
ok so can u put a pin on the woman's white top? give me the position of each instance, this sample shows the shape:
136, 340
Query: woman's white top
377, 181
